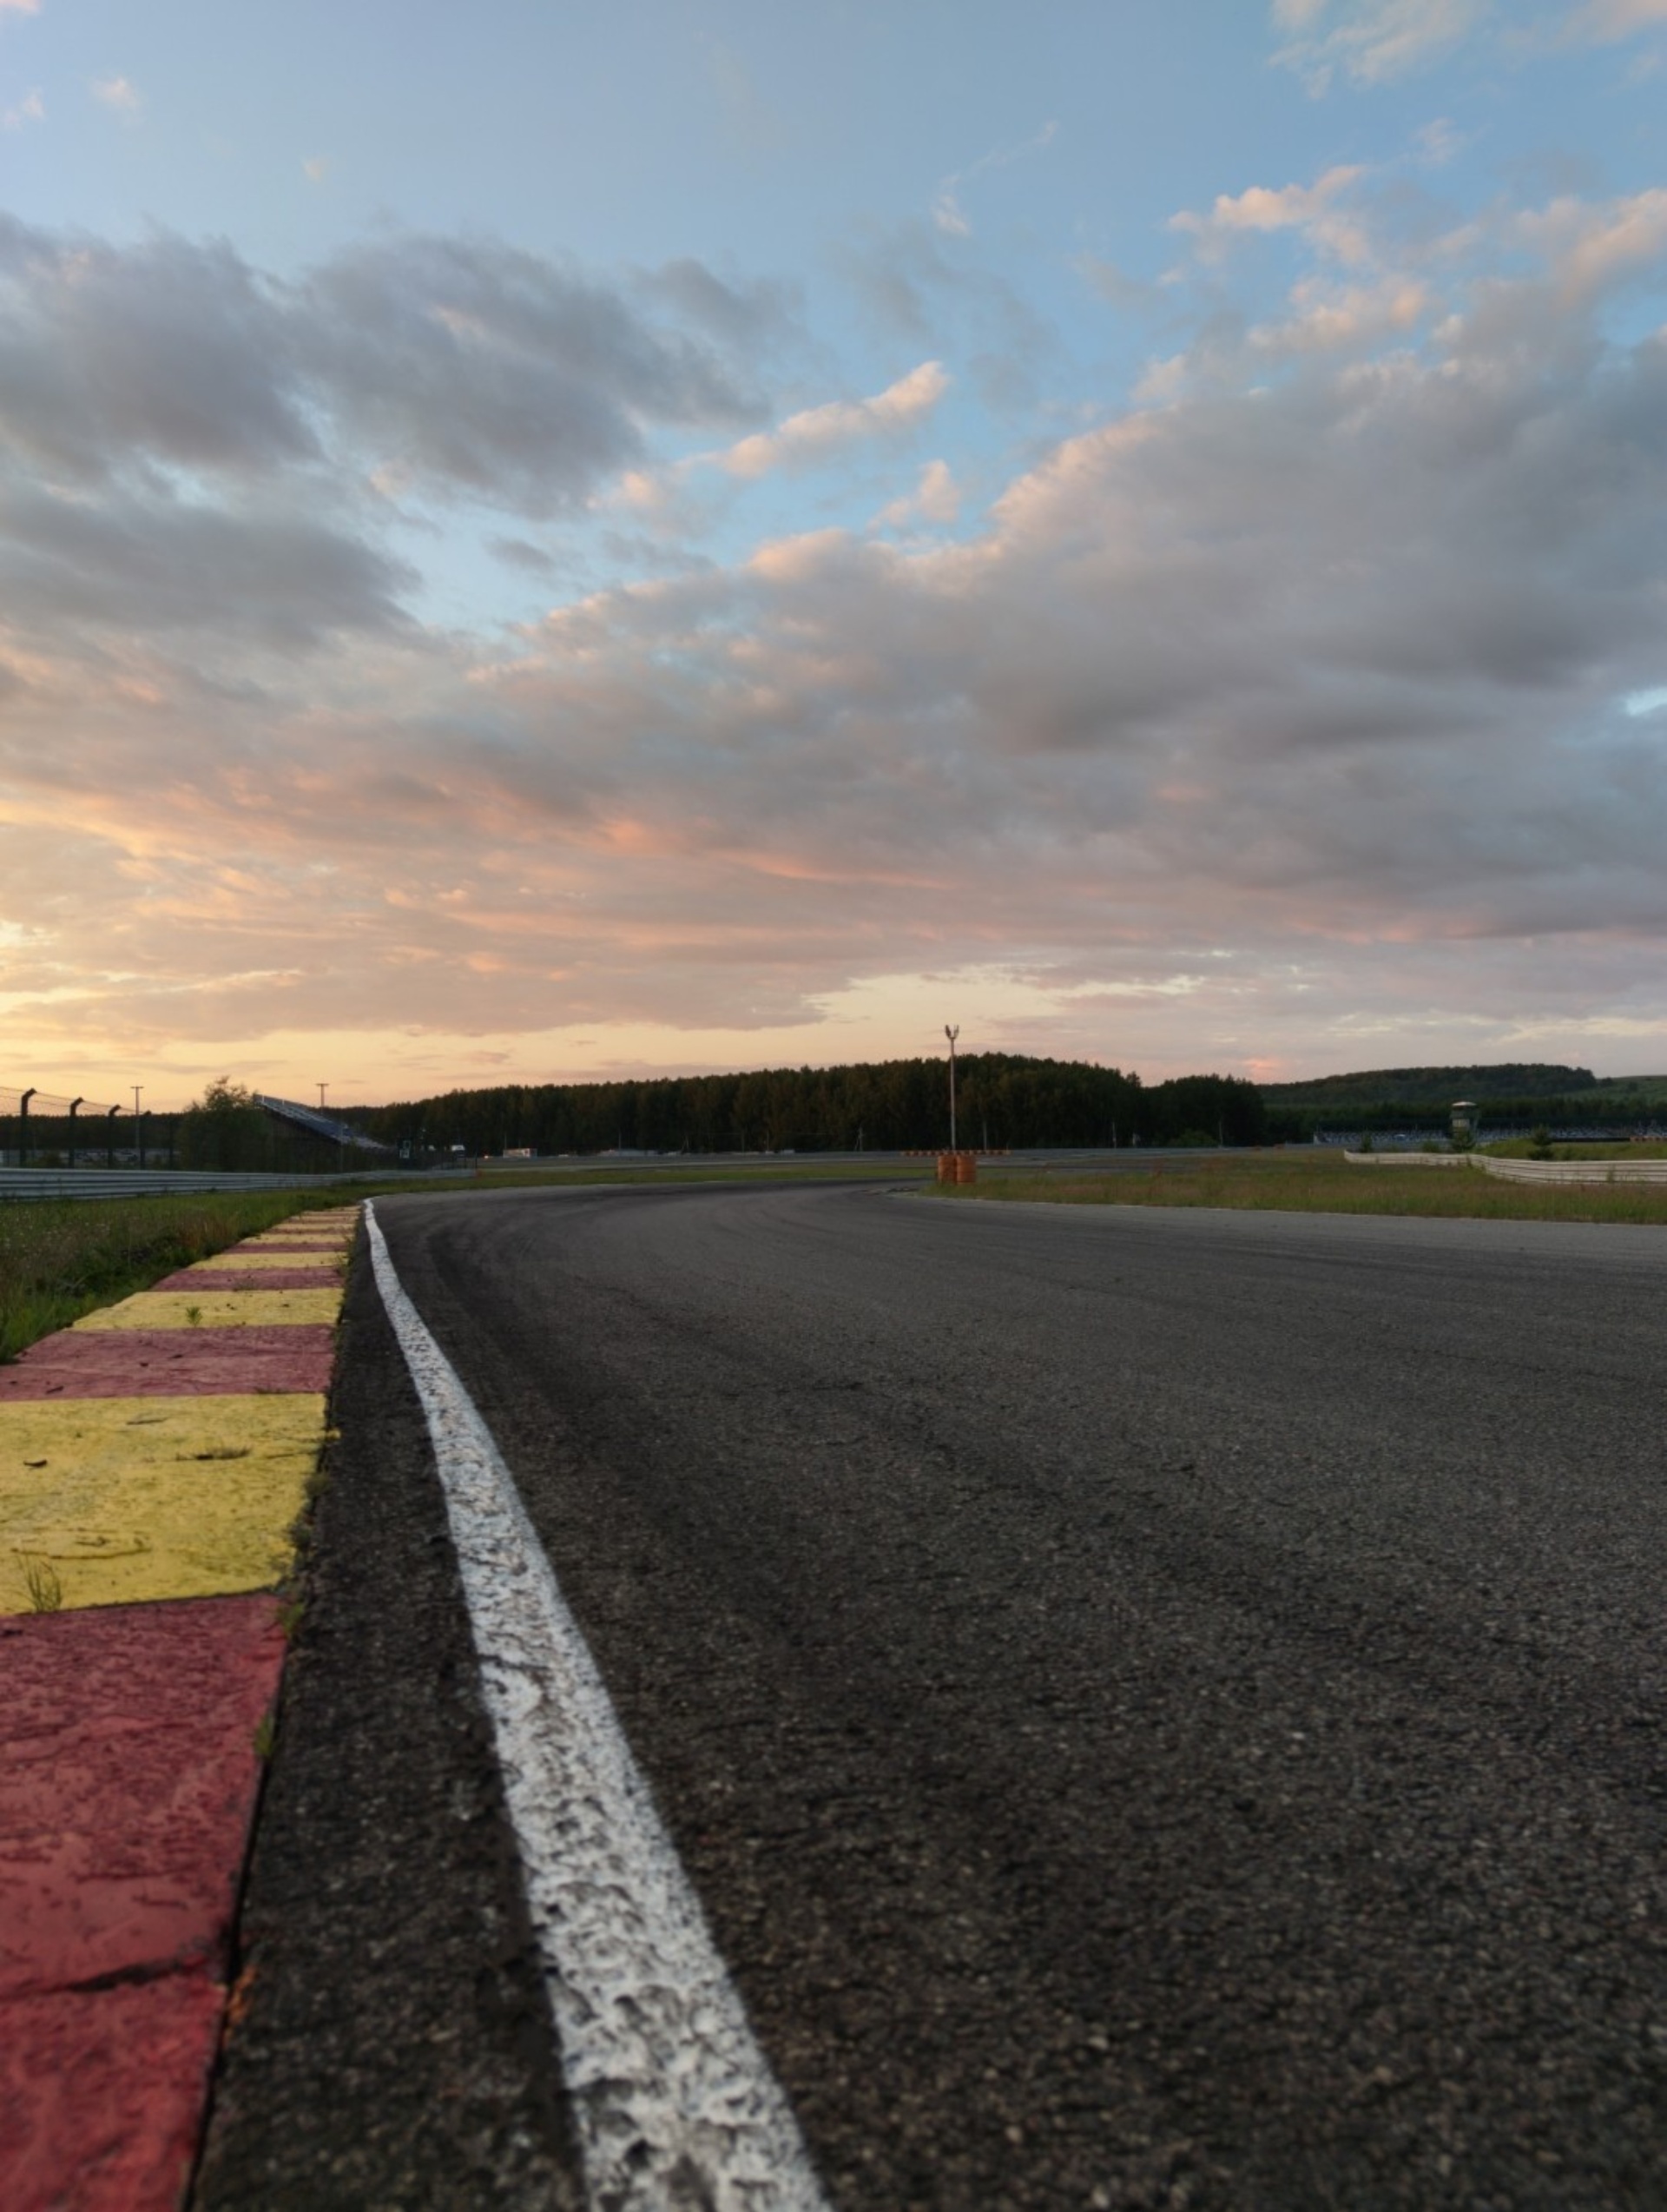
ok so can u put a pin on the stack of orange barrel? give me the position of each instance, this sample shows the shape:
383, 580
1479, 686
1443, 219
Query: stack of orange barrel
957, 1167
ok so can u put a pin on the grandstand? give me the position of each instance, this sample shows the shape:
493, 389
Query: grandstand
325, 1126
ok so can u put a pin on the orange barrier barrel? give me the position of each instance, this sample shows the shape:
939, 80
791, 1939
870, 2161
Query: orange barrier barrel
966, 1167
946, 1167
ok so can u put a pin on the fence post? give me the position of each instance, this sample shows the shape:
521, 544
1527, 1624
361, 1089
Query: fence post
109, 1154
22, 1125
74, 1105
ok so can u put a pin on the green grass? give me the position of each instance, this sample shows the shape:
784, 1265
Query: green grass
1283, 1183
40, 1580
60, 1258
1522, 1148
800, 1168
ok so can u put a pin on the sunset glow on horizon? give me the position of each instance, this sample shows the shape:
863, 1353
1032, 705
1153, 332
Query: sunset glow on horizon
598, 541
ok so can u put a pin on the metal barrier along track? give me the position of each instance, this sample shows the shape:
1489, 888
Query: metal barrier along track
1578, 1171
26, 1183
1524, 1170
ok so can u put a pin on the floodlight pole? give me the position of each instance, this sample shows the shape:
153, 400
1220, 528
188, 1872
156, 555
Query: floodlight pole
952, 1034
22, 1124
323, 1087
139, 1121
76, 1104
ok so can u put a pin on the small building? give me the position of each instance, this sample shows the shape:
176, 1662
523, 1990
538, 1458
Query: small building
1463, 1120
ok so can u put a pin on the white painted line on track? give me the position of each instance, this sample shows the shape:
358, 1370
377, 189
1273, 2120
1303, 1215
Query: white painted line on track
675, 2105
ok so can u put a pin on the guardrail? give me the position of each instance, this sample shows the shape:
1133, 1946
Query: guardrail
1577, 1171
1524, 1170
25, 1183
1408, 1160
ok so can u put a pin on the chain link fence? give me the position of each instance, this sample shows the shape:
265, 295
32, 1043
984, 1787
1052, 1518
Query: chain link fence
41, 1129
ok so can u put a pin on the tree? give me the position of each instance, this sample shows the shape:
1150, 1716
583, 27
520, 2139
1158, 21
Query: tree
224, 1130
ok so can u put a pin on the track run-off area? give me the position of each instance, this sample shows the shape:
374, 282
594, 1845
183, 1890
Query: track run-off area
830, 1695
1148, 1708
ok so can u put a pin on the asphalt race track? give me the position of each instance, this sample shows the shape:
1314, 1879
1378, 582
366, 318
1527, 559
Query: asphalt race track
1159, 1708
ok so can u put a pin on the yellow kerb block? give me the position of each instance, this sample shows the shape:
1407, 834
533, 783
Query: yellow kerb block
211, 1309
114, 1501
277, 1240
246, 1259
340, 1244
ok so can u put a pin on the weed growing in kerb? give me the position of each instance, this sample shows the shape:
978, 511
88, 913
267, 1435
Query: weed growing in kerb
41, 1581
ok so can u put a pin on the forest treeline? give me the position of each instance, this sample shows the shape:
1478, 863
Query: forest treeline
1003, 1098
1435, 1086
1509, 1097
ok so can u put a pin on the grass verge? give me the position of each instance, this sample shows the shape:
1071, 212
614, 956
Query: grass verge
1523, 1148
1279, 1184
60, 1258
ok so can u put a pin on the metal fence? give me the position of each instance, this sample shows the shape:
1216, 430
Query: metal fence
41, 1129
22, 1182
19, 1185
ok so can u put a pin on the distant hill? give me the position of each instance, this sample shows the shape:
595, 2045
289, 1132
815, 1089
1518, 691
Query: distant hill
1007, 1099
1651, 1087
1440, 1086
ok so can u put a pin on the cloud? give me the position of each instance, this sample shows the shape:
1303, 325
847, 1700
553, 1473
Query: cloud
31, 108
751, 124
1292, 712
154, 567
1606, 22
461, 368
20, 7
936, 498
493, 373
1592, 248
947, 213
519, 553
316, 167
119, 92
1318, 211
1376, 41
810, 438
745, 318
165, 350
909, 290
1326, 319
1134, 294
1439, 142
1370, 42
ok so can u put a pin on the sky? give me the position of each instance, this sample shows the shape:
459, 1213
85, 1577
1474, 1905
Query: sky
572, 537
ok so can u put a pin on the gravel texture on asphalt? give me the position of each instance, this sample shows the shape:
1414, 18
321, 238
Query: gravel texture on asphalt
390, 2041
1159, 1708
